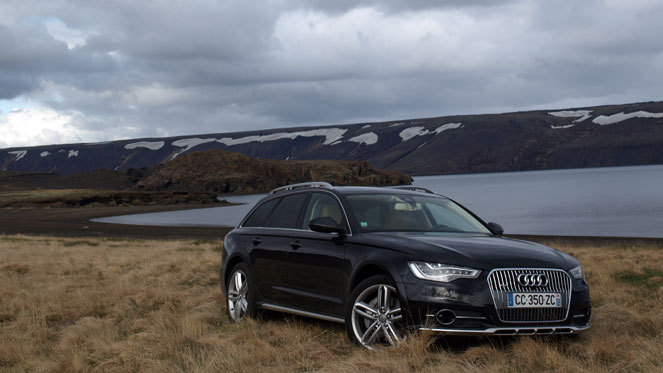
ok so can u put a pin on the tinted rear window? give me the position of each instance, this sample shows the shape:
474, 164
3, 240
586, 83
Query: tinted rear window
259, 216
286, 213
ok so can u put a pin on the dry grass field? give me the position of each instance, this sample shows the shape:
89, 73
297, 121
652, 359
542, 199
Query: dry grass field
121, 305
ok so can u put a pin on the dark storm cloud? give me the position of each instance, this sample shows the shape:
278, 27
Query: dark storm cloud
12, 85
124, 68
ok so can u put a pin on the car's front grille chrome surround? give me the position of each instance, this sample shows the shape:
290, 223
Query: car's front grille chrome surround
505, 280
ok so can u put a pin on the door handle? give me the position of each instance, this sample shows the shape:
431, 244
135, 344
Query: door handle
295, 245
256, 241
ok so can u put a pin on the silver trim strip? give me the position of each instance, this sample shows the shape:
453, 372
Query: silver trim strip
294, 311
464, 317
471, 317
520, 330
412, 188
310, 184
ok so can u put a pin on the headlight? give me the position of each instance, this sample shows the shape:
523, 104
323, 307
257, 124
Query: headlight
441, 272
577, 273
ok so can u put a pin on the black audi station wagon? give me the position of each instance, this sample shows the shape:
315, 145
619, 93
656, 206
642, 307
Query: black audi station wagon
385, 261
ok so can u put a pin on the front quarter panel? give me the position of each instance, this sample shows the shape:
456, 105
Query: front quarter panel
361, 258
231, 253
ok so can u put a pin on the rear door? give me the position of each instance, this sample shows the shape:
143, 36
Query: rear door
270, 243
262, 250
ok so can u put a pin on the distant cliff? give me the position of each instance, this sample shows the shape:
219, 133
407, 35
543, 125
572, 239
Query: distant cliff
616, 135
221, 171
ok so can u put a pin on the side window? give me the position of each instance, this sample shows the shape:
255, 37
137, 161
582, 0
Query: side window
322, 204
286, 213
259, 216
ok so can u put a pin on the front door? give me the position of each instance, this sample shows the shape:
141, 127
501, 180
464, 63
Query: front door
317, 273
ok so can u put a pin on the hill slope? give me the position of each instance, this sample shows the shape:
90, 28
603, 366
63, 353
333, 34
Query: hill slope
616, 135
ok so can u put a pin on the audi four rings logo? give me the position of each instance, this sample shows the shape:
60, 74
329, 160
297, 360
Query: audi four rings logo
532, 280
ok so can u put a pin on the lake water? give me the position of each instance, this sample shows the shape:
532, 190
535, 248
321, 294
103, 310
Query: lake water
613, 201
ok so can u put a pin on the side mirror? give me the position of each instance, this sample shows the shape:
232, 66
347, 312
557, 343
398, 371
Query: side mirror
496, 229
325, 224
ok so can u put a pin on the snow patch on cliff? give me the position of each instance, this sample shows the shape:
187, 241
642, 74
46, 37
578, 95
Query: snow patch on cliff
331, 135
19, 154
448, 126
580, 114
152, 145
189, 144
616, 118
411, 132
369, 138
561, 127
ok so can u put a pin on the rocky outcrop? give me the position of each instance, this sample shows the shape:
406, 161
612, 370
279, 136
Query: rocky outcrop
220, 171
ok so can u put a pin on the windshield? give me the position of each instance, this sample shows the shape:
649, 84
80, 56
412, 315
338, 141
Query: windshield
412, 213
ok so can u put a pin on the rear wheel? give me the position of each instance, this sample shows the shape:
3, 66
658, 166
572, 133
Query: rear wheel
375, 317
240, 294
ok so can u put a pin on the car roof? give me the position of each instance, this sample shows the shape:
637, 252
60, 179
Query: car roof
402, 189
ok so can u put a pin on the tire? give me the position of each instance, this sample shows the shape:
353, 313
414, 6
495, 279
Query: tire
240, 294
374, 316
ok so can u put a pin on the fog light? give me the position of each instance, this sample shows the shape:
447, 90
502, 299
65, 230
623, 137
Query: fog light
446, 317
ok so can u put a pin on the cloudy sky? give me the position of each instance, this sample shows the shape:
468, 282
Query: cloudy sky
85, 71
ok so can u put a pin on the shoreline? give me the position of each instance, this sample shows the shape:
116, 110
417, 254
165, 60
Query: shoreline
75, 222
590, 240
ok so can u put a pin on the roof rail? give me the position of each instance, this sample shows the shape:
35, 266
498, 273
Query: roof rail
312, 184
413, 188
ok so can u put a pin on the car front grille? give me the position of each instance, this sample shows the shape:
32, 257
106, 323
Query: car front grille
504, 281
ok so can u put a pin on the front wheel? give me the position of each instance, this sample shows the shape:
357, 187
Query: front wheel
239, 294
375, 316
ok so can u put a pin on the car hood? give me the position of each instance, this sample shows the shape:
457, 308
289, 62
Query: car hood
478, 251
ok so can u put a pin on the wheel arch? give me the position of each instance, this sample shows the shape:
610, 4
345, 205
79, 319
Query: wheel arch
230, 263
372, 268
369, 269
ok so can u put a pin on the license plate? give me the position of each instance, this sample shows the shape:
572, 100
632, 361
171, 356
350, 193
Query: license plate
534, 300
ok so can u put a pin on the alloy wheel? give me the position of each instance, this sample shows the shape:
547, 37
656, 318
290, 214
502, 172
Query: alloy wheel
237, 296
377, 317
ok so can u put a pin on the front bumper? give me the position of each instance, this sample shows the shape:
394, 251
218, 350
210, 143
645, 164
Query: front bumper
474, 310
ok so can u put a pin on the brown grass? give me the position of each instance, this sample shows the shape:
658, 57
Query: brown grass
114, 305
